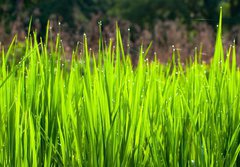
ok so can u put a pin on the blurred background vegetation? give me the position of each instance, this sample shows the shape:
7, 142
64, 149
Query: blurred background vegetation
141, 12
144, 17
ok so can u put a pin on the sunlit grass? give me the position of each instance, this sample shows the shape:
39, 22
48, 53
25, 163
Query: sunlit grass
105, 112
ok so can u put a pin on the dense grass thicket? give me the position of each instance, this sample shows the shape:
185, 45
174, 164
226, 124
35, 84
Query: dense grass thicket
104, 112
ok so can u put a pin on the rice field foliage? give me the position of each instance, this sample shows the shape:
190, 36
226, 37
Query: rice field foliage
97, 109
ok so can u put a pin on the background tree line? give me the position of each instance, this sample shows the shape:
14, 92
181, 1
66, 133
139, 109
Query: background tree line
142, 12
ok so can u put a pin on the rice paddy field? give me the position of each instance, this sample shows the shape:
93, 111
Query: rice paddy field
97, 109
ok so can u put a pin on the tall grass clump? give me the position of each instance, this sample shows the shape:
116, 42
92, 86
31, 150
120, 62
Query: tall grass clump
99, 110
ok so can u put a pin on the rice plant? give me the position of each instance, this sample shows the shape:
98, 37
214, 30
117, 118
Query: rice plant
97, 109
